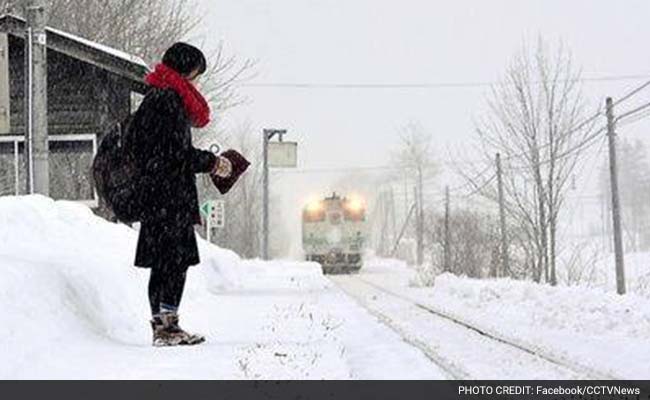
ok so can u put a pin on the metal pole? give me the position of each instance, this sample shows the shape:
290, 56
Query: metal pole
16, 168
36, 135
208, 227
616, 205
382, 231
393, 221
265, 194
401, 233
28, 113
267, 135
505, 258
447, 249
420, 220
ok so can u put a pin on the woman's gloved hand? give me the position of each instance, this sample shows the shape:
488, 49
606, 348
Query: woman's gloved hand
222, 168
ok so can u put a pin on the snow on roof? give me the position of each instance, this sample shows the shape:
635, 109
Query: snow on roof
101, 47
106, 49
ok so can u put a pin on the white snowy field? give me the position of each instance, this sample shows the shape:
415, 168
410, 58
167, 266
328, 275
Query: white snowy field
588, 327
75, 308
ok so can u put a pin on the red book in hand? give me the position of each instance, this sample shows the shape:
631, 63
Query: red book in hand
239, 166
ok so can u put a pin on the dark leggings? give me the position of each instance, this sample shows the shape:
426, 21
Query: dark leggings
166, 286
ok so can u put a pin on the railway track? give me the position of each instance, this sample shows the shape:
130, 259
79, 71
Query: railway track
502, 352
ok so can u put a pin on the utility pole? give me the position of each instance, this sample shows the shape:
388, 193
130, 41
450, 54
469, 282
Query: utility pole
36, 141
505, 258
267, 135
406, 195
381, 207
420, 219
616, 205
401, 233
393, 220
447, 250
208, 229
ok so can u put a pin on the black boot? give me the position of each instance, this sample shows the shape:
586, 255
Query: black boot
163, 336
171, 326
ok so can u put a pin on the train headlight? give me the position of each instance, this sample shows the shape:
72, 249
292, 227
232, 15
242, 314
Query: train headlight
315, 207
354, 205
355, 209
314, 212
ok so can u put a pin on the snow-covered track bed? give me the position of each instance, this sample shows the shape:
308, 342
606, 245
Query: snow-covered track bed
463, 349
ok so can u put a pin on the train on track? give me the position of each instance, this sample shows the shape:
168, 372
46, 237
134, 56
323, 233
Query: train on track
335, 232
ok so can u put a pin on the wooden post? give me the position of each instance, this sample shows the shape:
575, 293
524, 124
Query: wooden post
447, 249
420, 218
616, 205
401, 233
505, 258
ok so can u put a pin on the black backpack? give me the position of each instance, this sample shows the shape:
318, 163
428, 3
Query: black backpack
115, 174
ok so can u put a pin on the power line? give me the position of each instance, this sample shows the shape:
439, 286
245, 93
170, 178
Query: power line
480, 188
372, 168
633, 111
581, 125
583, 198
590, 140
634, 119
587, 142
471, 181
584, 144
632, 93
421, 85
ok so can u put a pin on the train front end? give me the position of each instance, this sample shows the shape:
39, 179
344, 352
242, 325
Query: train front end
334, 233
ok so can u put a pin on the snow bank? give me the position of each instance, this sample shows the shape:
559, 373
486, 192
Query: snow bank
577, 309
592, 327
67, 274
74, 307
589, 325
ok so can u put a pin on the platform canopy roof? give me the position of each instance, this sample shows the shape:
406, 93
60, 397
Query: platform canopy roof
116, 61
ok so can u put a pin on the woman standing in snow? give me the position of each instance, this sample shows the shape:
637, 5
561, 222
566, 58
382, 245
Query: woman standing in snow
162, 146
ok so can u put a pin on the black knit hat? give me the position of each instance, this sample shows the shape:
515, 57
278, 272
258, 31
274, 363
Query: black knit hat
184, 58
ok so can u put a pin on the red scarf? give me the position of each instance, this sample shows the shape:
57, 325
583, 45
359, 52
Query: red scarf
195, 104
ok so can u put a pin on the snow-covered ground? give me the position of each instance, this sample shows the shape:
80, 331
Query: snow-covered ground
587, 327
75, 308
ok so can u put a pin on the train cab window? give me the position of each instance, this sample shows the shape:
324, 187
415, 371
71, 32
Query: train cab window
355, 215
313, 215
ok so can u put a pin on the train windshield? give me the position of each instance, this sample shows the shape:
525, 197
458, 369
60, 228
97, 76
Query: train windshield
313, 215
354, 215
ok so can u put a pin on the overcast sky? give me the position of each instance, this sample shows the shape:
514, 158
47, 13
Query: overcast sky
409, 41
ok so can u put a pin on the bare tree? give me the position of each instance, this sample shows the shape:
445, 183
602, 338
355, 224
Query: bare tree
536, 120
242, 232
415, 157
415, 151
581, 265
142, 27
473, 241
635, 193
146, 28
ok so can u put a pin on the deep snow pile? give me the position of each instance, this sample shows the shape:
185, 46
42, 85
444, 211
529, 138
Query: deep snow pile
74, 307
66, 272
589, 326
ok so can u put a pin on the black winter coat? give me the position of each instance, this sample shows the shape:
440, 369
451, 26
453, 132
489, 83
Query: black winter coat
162, 146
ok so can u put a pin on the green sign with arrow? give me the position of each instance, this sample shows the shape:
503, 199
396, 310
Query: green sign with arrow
206, 208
